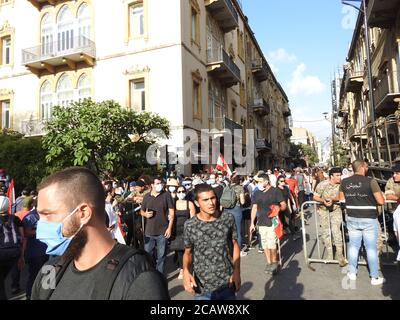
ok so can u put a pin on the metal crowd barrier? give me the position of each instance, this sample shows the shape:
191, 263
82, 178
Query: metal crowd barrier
309, 258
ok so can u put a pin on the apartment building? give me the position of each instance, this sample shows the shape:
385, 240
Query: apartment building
183, 59
356, 109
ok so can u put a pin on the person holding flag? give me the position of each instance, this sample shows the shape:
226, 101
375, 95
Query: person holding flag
223, 166
268, 201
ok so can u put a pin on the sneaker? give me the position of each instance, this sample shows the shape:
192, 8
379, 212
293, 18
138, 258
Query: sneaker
296, 237
268, 269
352, 276
260, 250
274, 267
243, 253
180, 277
377, 281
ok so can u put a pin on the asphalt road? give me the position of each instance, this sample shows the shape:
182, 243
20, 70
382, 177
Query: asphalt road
295, 281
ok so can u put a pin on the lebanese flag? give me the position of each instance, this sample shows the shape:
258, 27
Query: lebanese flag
276, 222
119, 234
11, 195
223, 166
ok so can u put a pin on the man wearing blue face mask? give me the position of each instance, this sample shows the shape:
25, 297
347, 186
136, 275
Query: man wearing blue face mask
92, 266
158, 209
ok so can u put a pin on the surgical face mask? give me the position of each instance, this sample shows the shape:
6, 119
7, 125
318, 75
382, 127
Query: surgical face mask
159, 188
211, 182
188, 186
261, 186
172, 189
50, 233
181, 196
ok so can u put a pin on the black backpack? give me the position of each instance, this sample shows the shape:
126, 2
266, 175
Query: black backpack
10, 243
228, 199
117, 261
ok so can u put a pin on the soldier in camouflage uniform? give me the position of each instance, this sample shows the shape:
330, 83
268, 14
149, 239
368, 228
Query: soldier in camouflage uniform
392, 189
327, 193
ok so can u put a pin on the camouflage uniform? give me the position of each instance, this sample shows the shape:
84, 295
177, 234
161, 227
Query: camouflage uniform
326, 190
392, 188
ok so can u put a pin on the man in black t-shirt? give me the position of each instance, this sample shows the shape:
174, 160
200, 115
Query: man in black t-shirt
263, 199
209, 238
72, 213
159, 210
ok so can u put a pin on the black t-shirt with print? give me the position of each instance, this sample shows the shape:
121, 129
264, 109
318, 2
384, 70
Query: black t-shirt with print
160, 205
264, 200
211, 243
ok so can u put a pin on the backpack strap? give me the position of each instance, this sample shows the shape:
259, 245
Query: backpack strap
116, 262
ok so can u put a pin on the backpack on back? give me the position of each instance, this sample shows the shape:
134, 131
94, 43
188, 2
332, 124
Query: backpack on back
228, 198
10, 244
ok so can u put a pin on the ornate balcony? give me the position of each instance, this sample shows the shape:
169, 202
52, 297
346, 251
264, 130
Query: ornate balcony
261, 106
39, 4
354, 81
221, 66
32, 128
224, 12
260, 69
387, 93
263, 145
287, 132
382, 13
49, 56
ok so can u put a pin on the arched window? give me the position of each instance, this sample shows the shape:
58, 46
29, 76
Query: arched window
65, 92
47, 29
46, 101
83, 24
65, 29
83, 87
136, 20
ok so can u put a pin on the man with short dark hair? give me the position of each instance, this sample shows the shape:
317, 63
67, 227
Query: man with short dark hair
262, 201
362, 195
17, 205
92, 266
159, 210
209, 238
327, 194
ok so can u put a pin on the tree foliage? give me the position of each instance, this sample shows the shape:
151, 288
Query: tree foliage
23, 158
303, 155
98, 136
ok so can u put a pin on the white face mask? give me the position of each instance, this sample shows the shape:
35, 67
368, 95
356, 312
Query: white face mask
172, 189
181, 196
188, 186
211, 182
261, 187
159, 188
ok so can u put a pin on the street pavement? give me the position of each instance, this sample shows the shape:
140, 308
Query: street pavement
295, 281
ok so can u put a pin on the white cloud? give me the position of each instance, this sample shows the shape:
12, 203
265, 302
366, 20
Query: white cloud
303, 84
281, 56
274, 68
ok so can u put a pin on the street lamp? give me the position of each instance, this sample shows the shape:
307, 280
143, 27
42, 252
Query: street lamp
367, 44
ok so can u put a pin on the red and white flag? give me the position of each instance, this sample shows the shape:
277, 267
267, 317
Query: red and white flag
223, 166
11, 195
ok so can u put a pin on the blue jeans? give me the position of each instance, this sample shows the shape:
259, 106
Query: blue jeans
366, 230
224, 293
160, 243
238, 215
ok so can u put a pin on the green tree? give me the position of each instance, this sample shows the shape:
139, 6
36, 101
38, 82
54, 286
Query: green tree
99, 136
341, 155
23, 158
303, 155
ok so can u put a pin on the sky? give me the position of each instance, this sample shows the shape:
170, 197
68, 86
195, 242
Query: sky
305, 43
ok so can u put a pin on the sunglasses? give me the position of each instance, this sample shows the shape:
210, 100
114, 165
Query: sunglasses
280, 181
181, 191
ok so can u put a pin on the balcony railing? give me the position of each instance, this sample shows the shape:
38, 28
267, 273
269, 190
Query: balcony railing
32, 128
382, 14
263, 144
261, 106
354, 80
225, 124
260, 69
286, 111
224, 12
222, 65
386, 93
68, 52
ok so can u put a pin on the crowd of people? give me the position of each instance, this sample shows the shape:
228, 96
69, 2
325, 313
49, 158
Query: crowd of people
208, 220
